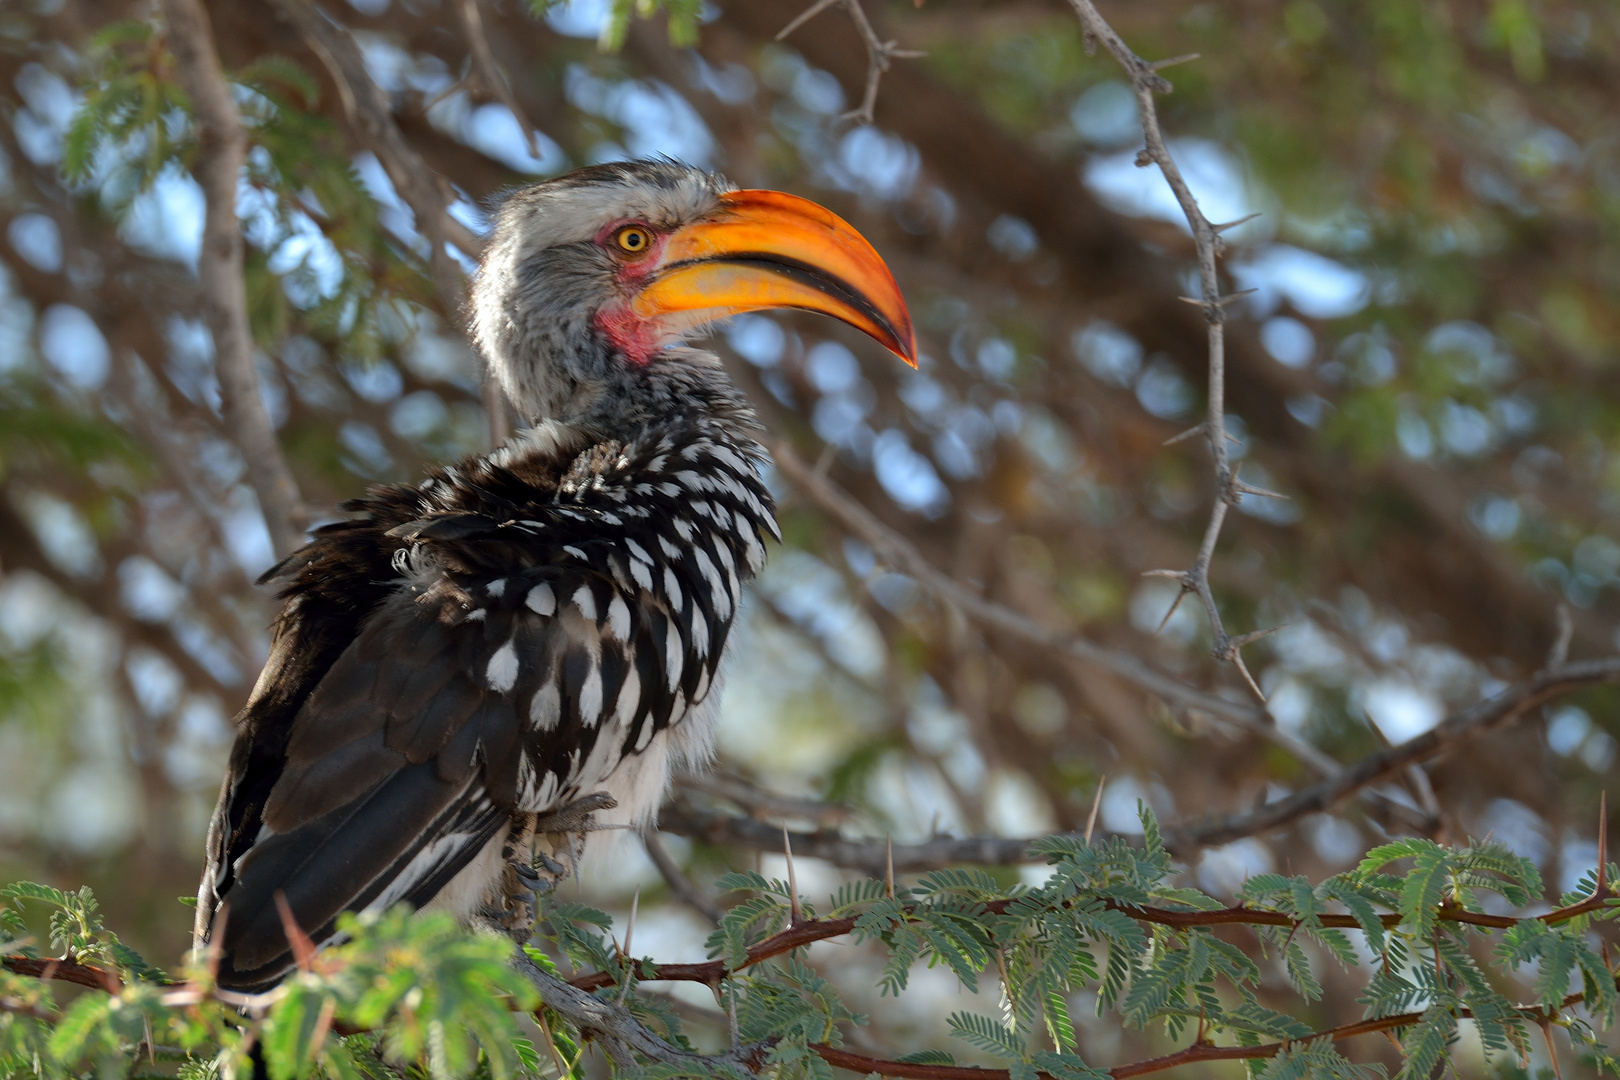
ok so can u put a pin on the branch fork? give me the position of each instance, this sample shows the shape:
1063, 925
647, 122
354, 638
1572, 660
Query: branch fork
879, 53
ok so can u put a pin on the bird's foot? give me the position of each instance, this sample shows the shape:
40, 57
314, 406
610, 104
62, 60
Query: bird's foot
564, 831
532, 871
575, 816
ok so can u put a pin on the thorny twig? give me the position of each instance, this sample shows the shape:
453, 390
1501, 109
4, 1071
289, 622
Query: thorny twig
809, 931
1146, 82
1338, 784
1186, 837
878, 52
900, 554
624, 1037
1197, 1052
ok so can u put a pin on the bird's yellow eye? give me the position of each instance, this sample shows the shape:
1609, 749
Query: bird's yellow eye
633, 239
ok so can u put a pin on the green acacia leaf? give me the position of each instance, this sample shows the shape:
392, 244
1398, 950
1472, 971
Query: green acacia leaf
986, 1033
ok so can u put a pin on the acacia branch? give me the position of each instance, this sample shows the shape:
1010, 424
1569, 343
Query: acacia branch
1146, 82
878, 52
47, 970
808, 931
624, 1037
1451, 732
1341, 783
1197, 1052
222, 151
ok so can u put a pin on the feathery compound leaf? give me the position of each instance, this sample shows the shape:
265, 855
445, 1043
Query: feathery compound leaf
852, 893
1425, 1044
928, 1057
986, 1033
1254, 1017
736, 931
1058, 848
745, 879
1425, 888
905, 948
1058, 1024
972, 883
1406, 847
1264, 888
879, 919
1556, 950
1299, 972
1067, 1066
1517, 878
1317, 1060
1152, 839
1388, 993
29, 890
1359, 901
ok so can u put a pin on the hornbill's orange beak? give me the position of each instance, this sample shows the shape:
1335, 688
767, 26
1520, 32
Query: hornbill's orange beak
768, 249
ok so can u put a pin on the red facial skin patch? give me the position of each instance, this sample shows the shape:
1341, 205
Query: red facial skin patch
637, 339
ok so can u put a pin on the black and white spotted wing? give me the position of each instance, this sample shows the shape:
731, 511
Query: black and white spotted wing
544, 621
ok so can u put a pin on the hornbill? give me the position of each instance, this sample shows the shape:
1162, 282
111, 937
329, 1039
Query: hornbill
524, 629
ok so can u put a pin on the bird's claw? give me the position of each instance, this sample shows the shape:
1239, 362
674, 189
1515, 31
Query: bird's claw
528, 879
575, 816
549, 865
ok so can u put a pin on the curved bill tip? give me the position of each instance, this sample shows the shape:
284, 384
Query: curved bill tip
768, 249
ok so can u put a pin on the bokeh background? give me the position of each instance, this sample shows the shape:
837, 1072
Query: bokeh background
1429, 369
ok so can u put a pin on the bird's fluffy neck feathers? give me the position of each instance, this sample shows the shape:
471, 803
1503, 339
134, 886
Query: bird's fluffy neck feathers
678, 383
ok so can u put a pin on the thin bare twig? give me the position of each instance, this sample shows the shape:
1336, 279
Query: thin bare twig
1558, 652
222, 150
1456, 729
369, 111
899, 553
760, 802
486, 74
878, 52
1146, 82
682, 887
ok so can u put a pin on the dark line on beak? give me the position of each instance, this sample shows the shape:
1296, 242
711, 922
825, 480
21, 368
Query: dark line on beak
816, 278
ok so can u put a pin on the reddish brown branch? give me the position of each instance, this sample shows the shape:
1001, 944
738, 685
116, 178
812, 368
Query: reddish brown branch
712, 972
1191, 1055
64, 971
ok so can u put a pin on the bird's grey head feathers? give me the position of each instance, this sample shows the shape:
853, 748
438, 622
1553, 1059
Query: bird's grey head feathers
549, 273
